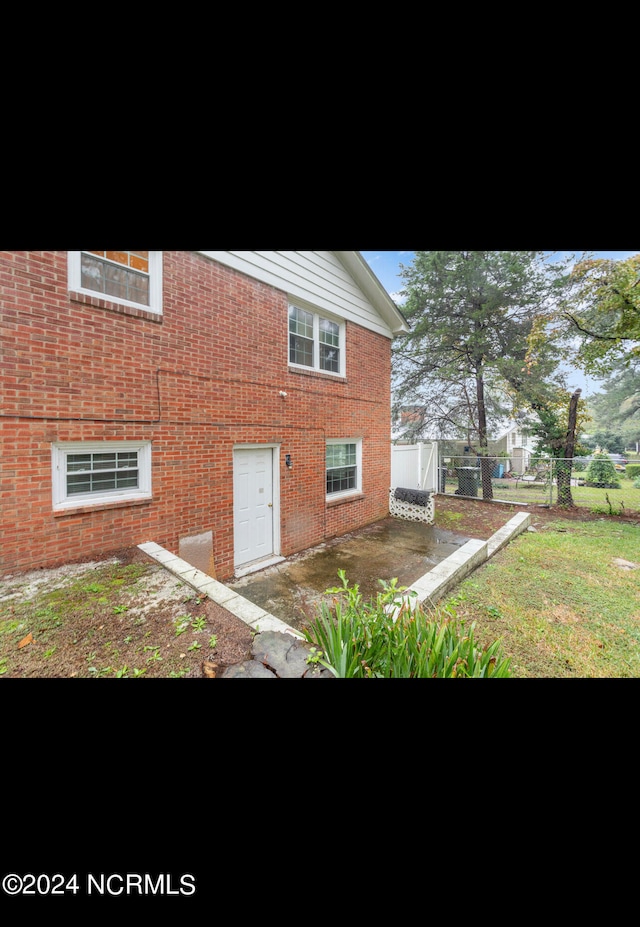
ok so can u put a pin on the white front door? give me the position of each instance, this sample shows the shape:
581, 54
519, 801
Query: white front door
252, 504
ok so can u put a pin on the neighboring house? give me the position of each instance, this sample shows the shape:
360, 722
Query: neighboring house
515, 442
233, 406
405, 423
518, 443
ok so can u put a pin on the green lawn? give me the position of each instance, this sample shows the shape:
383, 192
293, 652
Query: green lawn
625, 498
559, 600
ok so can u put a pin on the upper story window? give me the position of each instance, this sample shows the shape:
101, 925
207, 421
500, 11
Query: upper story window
315, 341
129, 278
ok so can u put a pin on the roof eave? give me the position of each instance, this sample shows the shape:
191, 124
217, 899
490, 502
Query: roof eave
374, 290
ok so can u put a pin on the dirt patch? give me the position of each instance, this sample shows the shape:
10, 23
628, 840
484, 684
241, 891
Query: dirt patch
121, 617
479, 519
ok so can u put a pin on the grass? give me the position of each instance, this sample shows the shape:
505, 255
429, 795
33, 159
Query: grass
627, 497
591, 497
558, 602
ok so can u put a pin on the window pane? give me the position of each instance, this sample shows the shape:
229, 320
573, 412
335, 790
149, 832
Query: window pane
128, 481
342, 471
115, 276
300, 322
341, 479
102, 472
329, 346
77, 484
120, 257
115, 283
329, 359
139, 289
92, 274
104, 461
78, 462
340, 455
300, 351
103, 481
139, 260
329, 333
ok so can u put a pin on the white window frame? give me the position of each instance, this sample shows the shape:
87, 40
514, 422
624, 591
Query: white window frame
317, 316
155, 283
59, 454
330, 497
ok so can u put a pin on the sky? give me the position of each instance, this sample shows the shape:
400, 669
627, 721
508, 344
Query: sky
386, 267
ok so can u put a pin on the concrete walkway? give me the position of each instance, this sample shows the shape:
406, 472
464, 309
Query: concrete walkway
428, 588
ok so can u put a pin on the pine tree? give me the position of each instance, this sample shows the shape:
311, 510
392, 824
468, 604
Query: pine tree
468, 357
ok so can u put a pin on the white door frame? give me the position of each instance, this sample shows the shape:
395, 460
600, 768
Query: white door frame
275, 463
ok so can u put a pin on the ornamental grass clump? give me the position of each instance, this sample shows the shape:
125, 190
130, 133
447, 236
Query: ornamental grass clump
388, 638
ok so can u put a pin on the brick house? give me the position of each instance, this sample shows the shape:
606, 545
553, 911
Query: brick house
233, 406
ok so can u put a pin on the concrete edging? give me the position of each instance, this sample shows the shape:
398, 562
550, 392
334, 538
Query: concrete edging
512, 529
430, 587
453, 569
256, 617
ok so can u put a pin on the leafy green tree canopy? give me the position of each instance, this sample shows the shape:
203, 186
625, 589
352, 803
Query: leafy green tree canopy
616, 408
604, 312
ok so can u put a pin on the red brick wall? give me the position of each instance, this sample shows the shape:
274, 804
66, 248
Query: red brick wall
202, 377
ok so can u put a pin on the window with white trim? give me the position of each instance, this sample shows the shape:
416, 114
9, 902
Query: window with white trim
344, 468
129, 278
316, 341
94, 473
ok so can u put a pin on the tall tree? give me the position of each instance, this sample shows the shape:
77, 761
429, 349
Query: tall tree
603, 311
468, 351
616, 408
564, 466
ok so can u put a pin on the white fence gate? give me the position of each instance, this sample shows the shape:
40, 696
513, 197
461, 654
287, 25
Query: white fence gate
415, 466
414, 478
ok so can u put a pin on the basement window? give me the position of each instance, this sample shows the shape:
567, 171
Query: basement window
96, 473
344, 468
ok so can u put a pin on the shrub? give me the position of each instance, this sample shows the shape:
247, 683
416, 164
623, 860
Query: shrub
601, 472
373, 639
632, 471
636, 483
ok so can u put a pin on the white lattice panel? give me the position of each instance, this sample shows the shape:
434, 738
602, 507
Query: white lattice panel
410, 511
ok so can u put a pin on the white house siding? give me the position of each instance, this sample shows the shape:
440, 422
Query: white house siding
317, 279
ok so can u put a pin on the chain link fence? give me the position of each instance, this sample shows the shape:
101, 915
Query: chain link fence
541, 480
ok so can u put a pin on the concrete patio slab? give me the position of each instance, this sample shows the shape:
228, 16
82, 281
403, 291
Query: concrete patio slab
429, 563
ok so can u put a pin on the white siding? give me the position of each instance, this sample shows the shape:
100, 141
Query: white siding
316, 278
